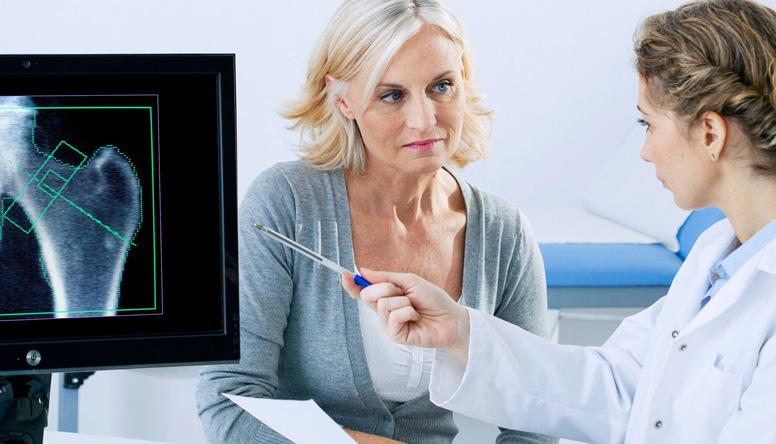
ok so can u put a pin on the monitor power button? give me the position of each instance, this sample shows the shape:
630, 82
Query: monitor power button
33, 357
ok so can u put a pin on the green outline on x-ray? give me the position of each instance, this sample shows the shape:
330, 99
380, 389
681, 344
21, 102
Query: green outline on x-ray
40, 181
57, 194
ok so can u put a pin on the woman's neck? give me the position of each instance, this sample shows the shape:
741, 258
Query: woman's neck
408, 198
749, 202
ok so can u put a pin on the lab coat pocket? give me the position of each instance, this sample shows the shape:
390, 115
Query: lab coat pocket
710, 399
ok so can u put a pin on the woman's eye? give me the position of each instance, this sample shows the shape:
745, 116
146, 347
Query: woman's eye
442, 87
391, 97
643, 122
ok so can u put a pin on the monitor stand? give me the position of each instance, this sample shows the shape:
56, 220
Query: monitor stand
24, 402
68, 400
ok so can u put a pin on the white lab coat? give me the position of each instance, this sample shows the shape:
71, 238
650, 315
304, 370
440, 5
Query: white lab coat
670, 374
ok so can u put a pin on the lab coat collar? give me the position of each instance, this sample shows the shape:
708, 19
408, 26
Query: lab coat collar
690, 283
767, 262
764, 260
719, 236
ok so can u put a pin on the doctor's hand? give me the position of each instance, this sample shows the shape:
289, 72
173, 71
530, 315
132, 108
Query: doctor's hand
413, 311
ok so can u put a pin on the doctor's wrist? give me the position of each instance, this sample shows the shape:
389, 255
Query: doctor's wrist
460, 347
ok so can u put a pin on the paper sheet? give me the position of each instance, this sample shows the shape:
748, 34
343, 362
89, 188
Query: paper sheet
303, 422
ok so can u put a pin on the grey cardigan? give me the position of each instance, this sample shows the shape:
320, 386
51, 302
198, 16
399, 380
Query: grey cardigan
300, 331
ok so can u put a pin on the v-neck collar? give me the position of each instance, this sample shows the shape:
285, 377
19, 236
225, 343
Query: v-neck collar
471, 274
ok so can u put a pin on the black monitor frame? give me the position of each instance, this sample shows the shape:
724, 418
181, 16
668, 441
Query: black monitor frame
201, 267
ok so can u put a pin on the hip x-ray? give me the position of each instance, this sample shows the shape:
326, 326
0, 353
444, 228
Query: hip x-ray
77, 232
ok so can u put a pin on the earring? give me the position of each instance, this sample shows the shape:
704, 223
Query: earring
712, 156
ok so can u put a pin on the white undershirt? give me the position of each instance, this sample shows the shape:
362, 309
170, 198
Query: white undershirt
400, 373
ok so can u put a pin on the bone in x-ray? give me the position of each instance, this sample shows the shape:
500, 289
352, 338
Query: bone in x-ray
80, 211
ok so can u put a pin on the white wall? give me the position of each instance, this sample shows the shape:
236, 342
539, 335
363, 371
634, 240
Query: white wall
558, 71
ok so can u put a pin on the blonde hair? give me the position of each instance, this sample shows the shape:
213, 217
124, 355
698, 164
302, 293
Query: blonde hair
363, 33
720, 56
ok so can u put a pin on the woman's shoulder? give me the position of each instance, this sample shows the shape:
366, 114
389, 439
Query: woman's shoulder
494, 210
286, 184
293, 171
296, 176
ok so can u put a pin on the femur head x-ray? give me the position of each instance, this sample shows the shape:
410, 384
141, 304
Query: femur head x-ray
72, 178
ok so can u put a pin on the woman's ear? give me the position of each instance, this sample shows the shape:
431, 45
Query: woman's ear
714, 130
338, 98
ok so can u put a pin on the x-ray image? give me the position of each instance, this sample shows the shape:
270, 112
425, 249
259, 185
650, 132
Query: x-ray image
76, 197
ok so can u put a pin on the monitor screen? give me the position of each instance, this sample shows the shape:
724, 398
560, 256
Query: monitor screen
118, 199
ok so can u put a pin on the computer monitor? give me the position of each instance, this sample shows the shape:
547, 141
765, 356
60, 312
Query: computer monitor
118, 203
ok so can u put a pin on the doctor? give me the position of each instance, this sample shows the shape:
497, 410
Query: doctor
699, 366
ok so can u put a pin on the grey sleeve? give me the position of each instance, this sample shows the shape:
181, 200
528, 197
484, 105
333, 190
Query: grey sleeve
524, 303
266, 290
524, 295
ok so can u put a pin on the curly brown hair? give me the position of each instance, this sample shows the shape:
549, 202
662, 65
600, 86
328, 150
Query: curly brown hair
715, 55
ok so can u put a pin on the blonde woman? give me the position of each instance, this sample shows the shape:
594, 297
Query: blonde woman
699, 366
387, 113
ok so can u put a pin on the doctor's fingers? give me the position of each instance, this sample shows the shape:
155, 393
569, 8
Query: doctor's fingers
355, 291
389, 305
402, 280
373, 293
399, 324
350, 285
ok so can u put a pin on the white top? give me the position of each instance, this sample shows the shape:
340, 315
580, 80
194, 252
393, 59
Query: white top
400, 373
672, 374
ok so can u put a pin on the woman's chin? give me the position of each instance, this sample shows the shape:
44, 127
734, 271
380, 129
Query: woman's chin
421, 166
688, 205
424, 168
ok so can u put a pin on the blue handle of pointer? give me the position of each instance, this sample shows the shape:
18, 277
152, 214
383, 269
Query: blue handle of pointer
361, 281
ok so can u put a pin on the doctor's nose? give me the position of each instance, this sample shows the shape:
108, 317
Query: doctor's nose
421, 114
646, 153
